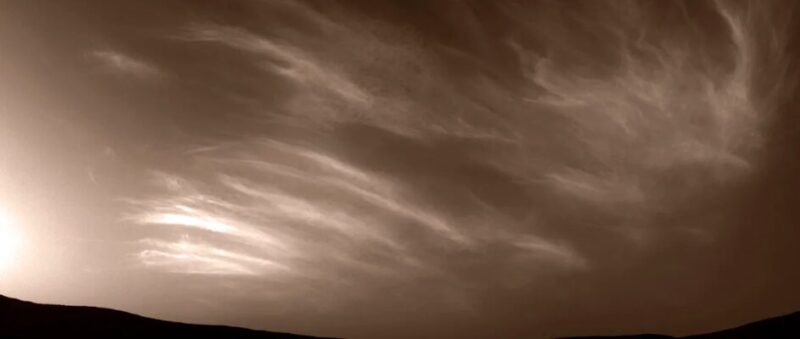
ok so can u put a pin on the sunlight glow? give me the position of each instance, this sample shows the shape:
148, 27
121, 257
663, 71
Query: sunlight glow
10, 242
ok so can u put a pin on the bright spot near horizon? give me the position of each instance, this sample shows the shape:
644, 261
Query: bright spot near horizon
10, 242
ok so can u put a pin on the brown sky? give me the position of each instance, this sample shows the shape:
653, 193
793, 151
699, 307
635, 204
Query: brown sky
406, 168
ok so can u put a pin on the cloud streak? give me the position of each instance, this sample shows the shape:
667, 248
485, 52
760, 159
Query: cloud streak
185, 256
124, 64
406, 161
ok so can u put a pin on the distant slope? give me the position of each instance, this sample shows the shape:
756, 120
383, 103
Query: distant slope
22, 319
787, 326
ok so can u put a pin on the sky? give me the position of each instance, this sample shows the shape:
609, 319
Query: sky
393, 169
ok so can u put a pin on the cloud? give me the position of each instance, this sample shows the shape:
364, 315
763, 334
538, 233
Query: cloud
390, 156
125, 64
658, 120
289, 61
551, 251
188, 219
320, 217
189, 257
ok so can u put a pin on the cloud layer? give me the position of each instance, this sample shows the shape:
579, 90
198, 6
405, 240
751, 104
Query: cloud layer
559, 143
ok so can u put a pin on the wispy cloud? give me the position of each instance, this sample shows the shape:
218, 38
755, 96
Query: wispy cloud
662, 112
283, 209
290, 61
403, 160
550, 251
124, 64
185, 256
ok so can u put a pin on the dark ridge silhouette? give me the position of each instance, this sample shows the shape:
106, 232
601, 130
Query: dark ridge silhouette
635, 336
787, 326
22, 319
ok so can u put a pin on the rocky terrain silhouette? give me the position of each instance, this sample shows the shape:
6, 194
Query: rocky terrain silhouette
787, 326
22, 319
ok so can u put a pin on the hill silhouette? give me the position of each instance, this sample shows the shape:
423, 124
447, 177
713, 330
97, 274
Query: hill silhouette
787, 326
22, 319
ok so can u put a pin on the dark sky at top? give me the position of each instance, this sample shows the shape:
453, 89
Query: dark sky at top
405, 168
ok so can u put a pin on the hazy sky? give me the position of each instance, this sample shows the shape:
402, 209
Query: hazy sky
404, 168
